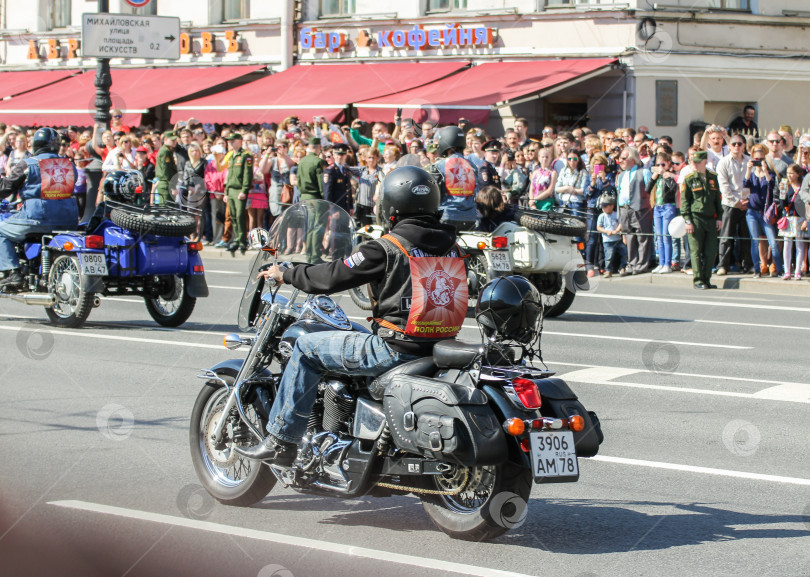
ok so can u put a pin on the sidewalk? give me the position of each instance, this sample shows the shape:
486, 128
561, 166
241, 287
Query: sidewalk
737, 282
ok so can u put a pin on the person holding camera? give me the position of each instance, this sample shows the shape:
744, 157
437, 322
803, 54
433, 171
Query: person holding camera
730, 174
663, 191
760, 179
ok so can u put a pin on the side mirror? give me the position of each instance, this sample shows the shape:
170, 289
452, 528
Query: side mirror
258, 238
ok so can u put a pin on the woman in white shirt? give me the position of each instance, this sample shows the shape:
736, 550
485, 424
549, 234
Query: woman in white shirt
122, 157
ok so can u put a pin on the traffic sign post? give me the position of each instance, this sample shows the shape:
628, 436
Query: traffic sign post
128, 36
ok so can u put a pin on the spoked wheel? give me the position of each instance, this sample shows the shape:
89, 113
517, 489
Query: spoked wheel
71, 304
361, 296
554, 292
173, 306
492, 500
227, 476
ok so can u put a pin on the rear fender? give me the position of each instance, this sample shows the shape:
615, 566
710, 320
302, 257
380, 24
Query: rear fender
504, 409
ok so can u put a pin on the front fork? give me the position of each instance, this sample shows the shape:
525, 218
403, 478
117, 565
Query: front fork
234, 398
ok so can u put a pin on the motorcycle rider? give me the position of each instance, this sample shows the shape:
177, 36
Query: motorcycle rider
457, 179
45, 184
405, 326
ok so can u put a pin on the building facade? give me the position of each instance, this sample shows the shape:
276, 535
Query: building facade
676, 62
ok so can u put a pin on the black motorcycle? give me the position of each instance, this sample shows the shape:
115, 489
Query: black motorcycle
467, 430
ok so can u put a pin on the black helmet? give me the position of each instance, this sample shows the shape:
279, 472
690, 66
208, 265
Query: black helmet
409, 190
46, 140
450, 137
123, 185
510, 308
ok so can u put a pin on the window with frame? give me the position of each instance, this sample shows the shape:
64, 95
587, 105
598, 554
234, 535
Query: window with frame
235, 9
446, 5
337, 7
60, 14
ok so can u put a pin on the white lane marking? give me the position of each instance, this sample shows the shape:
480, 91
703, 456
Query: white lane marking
607, 337
86, 335
702, 470
780, 327
230, 288
707, 303
599, 374
226, 271
325, 546
797, 392
660, 387
732, 323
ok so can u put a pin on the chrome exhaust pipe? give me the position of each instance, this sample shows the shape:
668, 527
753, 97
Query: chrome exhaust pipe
96, 301
34, 299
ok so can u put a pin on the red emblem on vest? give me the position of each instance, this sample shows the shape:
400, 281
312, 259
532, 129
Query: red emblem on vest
57, 178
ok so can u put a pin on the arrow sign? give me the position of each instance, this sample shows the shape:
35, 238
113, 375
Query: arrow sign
128, 36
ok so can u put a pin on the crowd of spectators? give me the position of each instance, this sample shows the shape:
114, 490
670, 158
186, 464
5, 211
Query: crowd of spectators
624, 183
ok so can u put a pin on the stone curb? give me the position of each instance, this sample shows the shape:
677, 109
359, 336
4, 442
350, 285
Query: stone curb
736, 282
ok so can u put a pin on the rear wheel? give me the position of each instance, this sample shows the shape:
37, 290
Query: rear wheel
71, 305
493, 500
172, 307
227, 476
361, 296
555, 294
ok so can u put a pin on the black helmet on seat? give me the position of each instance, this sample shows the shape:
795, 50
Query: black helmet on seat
409, 191
509, 307
450, 137
45, 140
123, 185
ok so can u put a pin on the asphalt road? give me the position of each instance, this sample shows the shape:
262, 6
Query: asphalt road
705, 468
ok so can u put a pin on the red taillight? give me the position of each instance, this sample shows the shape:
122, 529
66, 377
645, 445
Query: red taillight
526, 445
138, 190
198, 268
195, 246
528, 393
500, 241
94, 241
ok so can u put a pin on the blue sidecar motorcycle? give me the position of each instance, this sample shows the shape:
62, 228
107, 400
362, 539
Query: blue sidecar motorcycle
124, 249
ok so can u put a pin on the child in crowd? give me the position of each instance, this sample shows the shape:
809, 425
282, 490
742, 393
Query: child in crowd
610, 227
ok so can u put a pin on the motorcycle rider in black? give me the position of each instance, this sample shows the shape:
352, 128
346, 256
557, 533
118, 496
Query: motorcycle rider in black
418, 281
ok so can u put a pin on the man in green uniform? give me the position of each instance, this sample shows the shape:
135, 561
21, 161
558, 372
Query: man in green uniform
702, 210
166, 168
237, 187
310, 183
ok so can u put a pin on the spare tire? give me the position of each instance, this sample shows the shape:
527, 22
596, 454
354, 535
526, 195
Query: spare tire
552, 222
163, 224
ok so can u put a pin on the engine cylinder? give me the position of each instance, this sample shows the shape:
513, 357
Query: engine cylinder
338, 407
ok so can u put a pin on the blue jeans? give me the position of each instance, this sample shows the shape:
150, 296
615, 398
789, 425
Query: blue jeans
314, 354
594, 242
756, 226
615, 249
662, 215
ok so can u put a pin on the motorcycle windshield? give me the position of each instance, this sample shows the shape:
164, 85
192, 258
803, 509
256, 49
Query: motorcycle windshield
310, 232
411, 160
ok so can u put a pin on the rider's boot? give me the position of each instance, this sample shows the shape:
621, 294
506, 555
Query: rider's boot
270, 449
13, 281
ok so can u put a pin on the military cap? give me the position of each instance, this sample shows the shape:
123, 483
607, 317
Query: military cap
234, 136
314, 141
340, 148
492, 145
700, 156
170, 134
432, 147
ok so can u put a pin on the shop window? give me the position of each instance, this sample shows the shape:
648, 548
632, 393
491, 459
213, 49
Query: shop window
60, 14
235, 10
337, 7
445, 5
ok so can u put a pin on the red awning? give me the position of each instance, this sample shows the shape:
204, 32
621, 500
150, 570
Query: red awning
471, 94
316, 90
134, 91
13, 83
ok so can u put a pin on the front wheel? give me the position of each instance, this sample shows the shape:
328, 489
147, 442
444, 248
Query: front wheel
361, 296
72, 305
493, 500
228, 477
172, 306
554, 292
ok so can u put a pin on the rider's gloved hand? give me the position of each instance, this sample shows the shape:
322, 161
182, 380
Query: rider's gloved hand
274, 273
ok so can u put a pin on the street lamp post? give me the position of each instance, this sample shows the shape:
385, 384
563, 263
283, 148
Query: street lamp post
102, 118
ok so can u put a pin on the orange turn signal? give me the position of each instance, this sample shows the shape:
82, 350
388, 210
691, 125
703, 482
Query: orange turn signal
576, 423
514, 427
580, 246
195, 246
482, 245
68, 246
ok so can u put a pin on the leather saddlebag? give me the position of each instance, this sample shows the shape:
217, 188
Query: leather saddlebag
443, 421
